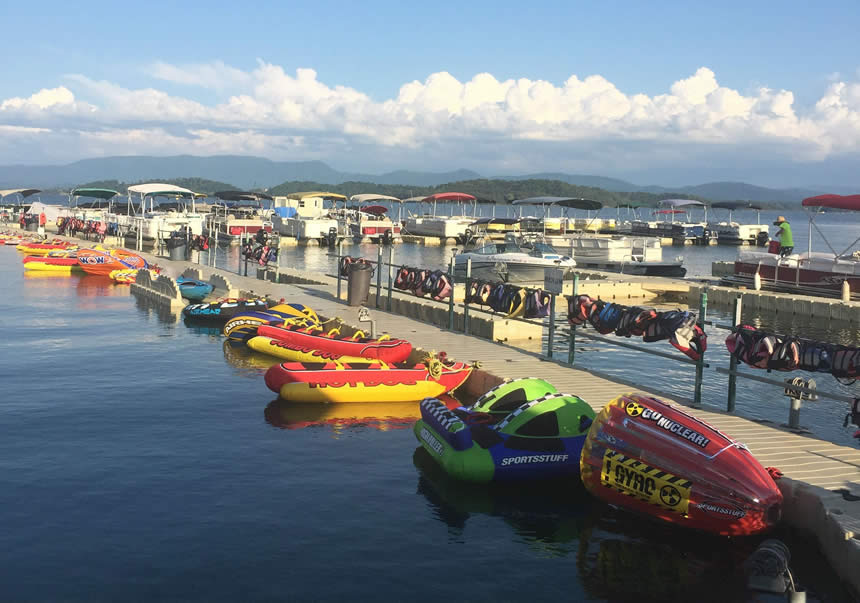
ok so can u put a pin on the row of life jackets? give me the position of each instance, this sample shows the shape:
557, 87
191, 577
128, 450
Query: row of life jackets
513, 301
347, 260
763, 350
435, 283
679, 327
262, 254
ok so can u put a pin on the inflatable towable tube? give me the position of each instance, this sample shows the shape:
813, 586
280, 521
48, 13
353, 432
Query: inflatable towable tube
222, 310
193, 289
368, 381
651, 458
389, 350
243, 326
538, 439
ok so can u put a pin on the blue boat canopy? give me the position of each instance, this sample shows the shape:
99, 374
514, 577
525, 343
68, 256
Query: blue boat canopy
736, 205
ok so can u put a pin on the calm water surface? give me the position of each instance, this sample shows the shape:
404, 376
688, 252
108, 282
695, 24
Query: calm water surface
139, 461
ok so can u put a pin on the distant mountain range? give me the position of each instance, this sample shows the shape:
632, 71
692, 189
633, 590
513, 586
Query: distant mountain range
257, 172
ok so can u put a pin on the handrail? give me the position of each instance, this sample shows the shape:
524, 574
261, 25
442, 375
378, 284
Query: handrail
784, 385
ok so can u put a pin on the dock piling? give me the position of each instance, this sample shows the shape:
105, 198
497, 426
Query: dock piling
571, 344
378, 271
466, 296
700, 363
733, 362
451, 298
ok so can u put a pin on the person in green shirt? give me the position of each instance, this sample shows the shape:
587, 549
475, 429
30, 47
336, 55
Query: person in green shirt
786, 240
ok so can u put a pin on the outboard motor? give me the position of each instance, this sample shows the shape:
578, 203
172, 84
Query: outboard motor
762, 238
387, 237
331, 238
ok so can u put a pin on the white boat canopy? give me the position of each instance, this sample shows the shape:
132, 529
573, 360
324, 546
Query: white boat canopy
160, 188
414, 200
679, 202
370, 197
312, 194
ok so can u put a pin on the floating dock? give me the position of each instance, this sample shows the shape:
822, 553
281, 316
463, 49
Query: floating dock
821, 482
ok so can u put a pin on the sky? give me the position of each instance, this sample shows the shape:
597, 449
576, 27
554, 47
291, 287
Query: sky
658, 93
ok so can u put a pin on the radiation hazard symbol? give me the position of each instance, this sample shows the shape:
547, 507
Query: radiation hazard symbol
634, 409
639, 480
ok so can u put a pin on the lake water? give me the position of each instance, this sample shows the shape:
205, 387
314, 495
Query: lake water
139, 461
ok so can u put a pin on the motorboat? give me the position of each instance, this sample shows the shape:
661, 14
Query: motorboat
622, 253
238, 215
682, 232
303, 216
729, 232
98, 205
155, 210
369, 219
809, 271
519, 258
431, 224
10, 212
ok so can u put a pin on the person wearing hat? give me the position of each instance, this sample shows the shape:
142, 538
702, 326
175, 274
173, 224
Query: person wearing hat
786, 240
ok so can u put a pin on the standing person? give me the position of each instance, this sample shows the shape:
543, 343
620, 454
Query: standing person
786, 240
43, 219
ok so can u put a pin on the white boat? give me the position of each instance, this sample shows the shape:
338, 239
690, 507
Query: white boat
809, 271
93, 204
303, 216
730, 232
11, 212
430, 224
369, 220
239, 214
517, 259
620, 253
155, 210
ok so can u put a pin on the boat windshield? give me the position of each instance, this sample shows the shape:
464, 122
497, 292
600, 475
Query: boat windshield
540, 247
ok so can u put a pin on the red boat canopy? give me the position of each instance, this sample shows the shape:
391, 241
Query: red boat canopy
449, 197
376, 210
851, 202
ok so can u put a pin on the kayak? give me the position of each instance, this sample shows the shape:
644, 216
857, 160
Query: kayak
244, 325
651, 458
315, 338
193, 289
368, 381
541, 438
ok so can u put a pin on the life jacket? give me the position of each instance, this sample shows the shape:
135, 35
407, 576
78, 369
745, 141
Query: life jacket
642, 321
442, 289
400, 279
786, 355
741, 343
846, 363
472, 292
815, 357
426, 282
690, 339
515, 302
345, 261
484, 293
537, 303
626, 323
663, 326
762, 351
606, 320
579, 309
497, 297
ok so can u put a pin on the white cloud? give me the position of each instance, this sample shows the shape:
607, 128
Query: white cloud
275, 113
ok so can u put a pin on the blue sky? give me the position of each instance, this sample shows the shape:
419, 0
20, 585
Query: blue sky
375, 48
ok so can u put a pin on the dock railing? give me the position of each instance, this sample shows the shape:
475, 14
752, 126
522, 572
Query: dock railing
554, 331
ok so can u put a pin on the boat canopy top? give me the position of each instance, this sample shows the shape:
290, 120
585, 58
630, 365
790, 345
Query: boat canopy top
414, 200
571, 202
311, 194
95, 193
736, 205
498, 220
376, 210
242, 196
850, 202
679, 202
632, 204
368, 197
24, 192
155, 189
449, 197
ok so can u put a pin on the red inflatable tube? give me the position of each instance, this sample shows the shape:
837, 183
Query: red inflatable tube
389, 350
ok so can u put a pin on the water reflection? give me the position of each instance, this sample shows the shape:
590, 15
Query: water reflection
382, 416
549, 516
240, 356
164, 314
90, 285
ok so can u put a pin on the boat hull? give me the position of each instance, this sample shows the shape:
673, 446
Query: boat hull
788, 276
654, 459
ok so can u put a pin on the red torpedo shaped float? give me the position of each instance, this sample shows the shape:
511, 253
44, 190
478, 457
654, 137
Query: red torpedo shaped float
651, 458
